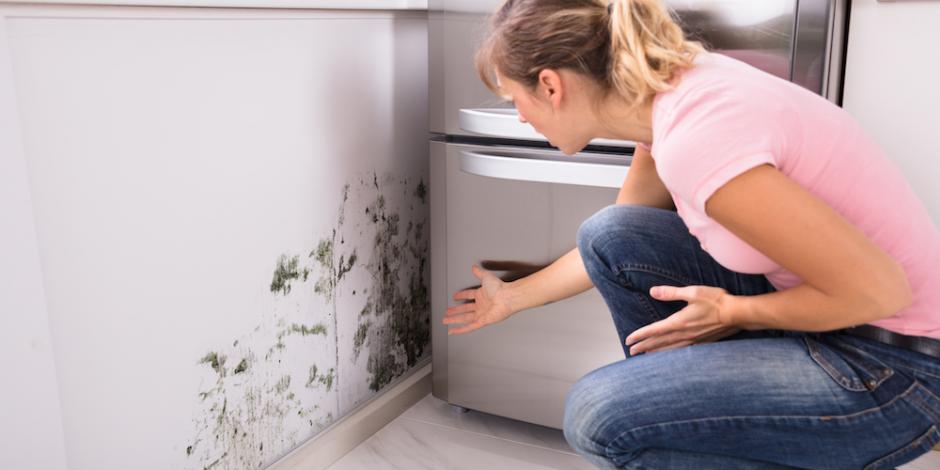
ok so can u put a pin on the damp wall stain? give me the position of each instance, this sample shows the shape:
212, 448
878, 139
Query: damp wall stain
269, 390
396, 326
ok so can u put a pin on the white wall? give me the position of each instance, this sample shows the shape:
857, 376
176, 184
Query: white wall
891, 86
173, 158
31, 430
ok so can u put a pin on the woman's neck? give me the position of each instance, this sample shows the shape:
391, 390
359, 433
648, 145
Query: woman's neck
618, 120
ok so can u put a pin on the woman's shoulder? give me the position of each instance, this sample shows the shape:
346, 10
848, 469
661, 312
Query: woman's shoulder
718, 90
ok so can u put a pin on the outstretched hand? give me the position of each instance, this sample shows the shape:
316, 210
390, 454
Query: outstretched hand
486, 304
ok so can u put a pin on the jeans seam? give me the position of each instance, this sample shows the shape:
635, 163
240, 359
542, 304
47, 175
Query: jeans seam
886, 370
923, 405
650, 310
931, 435
829, 418
900, 364
650, 269
835, 374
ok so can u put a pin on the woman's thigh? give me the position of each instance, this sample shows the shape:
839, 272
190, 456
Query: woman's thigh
786, 401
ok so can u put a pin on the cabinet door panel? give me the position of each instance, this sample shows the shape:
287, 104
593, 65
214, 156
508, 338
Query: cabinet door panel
521, 367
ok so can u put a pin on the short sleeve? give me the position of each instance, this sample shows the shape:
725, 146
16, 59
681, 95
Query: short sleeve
644, 146
731, 168
707, 139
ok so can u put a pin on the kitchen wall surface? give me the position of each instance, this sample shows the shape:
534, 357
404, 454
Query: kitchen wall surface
231, 238
891, 87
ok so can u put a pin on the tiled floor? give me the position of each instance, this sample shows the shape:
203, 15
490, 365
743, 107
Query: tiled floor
433, 435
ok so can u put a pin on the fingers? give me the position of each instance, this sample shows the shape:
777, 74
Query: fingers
465, 329
678, 345
458, 309
686, 293
668, 293
467, 294
459, 318
659, 343
653, 330
477, 271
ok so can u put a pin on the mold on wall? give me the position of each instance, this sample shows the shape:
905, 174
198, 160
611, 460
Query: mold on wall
352, 314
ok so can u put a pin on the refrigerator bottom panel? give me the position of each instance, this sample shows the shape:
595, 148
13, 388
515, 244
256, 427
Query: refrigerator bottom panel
522, 367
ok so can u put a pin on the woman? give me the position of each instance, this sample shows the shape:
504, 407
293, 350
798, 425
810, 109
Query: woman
758, 225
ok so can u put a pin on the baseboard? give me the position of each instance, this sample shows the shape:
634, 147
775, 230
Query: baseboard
339, 438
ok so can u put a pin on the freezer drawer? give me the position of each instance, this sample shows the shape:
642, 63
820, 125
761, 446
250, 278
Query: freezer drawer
522, 367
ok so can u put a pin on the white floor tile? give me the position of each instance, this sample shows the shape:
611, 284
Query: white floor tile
409, 444
928, 461
433, 435
434, 410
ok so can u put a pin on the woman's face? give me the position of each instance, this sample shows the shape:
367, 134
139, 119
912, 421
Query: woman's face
560, 122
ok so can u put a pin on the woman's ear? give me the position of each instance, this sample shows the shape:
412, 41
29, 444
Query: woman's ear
550, 87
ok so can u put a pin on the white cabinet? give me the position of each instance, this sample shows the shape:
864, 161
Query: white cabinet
891, 86
220, 199
522, 367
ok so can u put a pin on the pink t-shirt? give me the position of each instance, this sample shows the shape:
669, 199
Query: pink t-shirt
725, 117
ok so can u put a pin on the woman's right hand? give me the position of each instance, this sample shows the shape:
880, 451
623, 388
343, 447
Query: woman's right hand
487, 304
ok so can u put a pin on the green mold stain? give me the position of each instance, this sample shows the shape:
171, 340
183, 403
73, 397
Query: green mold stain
327, 379
241, 367
282, 385
304, 330
345, 267
324, 253
313, 376
315, 380
360, 337
216, 361
285, 272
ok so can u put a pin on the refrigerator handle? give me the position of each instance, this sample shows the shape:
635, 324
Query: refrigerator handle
543, 171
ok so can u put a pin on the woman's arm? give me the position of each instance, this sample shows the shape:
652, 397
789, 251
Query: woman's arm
565, 277
847, 279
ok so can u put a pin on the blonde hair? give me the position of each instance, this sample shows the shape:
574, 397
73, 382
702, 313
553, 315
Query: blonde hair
631, 47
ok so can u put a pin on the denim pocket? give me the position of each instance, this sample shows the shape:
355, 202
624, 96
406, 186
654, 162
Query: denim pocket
850, 367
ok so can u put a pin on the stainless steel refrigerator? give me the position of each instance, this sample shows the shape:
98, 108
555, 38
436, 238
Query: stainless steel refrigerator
499, 192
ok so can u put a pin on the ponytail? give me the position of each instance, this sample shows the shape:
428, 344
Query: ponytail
632, 48
647, 49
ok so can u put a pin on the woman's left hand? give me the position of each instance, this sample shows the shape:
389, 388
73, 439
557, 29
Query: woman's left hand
698, 322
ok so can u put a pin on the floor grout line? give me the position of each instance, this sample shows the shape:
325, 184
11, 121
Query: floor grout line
489, 435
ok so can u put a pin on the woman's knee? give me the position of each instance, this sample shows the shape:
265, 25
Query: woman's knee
588, 401
616, 218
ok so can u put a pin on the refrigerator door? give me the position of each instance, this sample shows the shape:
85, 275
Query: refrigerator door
763, 34
522, 367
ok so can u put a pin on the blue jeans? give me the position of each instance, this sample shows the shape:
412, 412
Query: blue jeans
768, 399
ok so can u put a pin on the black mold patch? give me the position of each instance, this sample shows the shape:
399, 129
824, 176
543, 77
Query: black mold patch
394, 323
255, 411
422, 192
241, 367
